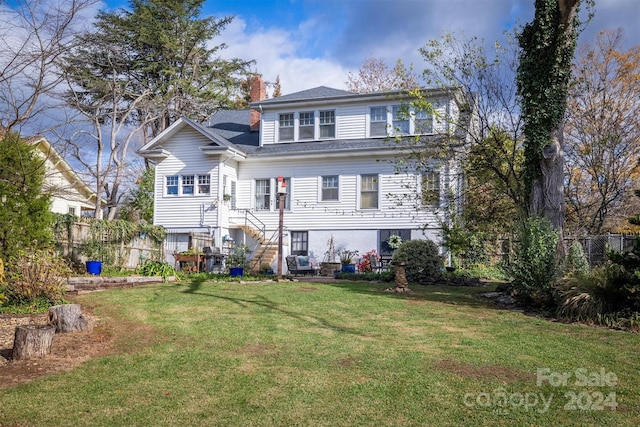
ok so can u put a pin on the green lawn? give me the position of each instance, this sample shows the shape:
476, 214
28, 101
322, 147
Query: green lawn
346, 354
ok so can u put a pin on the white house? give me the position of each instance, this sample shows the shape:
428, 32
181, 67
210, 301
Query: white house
69, 194
337, 154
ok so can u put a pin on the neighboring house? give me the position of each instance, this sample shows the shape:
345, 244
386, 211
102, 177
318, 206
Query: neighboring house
336, 153
69, 194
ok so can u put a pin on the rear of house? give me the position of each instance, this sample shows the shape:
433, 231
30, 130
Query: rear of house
337, 153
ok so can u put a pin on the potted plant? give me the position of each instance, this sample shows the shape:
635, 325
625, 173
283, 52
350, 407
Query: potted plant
237, 260
330, 265
346, 259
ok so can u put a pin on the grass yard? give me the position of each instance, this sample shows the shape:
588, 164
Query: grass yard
339, 354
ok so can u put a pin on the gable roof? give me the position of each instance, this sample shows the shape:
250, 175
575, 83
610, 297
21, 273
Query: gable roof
62, 167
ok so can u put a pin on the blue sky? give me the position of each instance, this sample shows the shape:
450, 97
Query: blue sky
310, 43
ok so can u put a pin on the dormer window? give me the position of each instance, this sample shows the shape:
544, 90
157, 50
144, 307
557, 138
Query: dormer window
378, 121
423, 122
306, 127
328, 124
400, 120
286, 123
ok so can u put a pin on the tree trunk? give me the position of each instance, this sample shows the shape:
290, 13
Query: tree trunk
547, 195
68, 318
32, 341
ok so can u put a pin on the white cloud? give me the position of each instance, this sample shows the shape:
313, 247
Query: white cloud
337, 36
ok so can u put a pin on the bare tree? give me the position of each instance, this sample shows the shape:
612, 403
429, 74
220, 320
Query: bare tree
375, 76
601, 134
33, 36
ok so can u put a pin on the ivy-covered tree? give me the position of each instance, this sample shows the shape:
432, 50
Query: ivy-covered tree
547, 48
25, 219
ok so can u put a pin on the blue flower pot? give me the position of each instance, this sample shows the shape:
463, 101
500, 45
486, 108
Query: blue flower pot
236, 271
94, 267
351, 268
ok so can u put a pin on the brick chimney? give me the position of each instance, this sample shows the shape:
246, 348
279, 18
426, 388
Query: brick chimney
258, 93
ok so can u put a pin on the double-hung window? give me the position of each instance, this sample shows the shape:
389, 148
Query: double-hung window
423, 122
306, 127
369, 191
400, 120
286, 123
187, 185
327, 124
263, 194
431, 189
330, 185
204, 184
378, 121
172, 185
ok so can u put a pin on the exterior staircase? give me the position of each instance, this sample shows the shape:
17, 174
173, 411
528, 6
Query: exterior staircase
267, 250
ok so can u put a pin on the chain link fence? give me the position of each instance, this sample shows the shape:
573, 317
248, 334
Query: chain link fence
595, 247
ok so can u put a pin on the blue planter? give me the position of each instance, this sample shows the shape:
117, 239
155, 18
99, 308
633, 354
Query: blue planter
236, 271
94, 267
351, 268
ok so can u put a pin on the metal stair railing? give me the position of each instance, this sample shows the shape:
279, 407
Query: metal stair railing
250, 220
257, 258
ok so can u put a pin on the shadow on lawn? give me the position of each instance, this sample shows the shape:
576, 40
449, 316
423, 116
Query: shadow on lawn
455, 295
261, 301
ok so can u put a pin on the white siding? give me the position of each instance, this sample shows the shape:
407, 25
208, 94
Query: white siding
189, 212
351, 122
308, 212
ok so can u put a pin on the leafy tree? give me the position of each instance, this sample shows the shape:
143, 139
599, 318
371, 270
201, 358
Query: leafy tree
375, 76
138, 204
602, 127
492, 148
25, 219
138, 72
548, 44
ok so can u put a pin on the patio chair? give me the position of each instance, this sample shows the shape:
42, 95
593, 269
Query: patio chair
376, 264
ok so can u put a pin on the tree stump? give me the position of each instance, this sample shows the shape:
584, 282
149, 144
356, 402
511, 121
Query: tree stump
68, 318
33, 341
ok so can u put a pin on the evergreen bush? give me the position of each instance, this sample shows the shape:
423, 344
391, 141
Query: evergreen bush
533, 269
422, 258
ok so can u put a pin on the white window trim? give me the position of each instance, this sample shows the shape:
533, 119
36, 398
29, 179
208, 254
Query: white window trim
320, 199
359, 192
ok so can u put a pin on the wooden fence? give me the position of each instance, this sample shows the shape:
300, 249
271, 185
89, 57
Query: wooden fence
129, 255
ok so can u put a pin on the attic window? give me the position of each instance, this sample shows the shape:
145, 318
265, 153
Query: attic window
306, 127
327, 124
286, 127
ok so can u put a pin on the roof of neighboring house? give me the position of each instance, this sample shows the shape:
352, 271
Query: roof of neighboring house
64, 168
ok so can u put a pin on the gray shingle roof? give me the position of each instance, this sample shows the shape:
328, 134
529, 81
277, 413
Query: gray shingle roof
315, 93
233, 125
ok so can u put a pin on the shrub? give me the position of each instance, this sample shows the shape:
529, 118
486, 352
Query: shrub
533, 268
157, 268
576, 261
40, 277
422, 258
606, 290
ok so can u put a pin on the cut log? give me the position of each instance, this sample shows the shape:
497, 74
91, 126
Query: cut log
68, 318
33, 341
